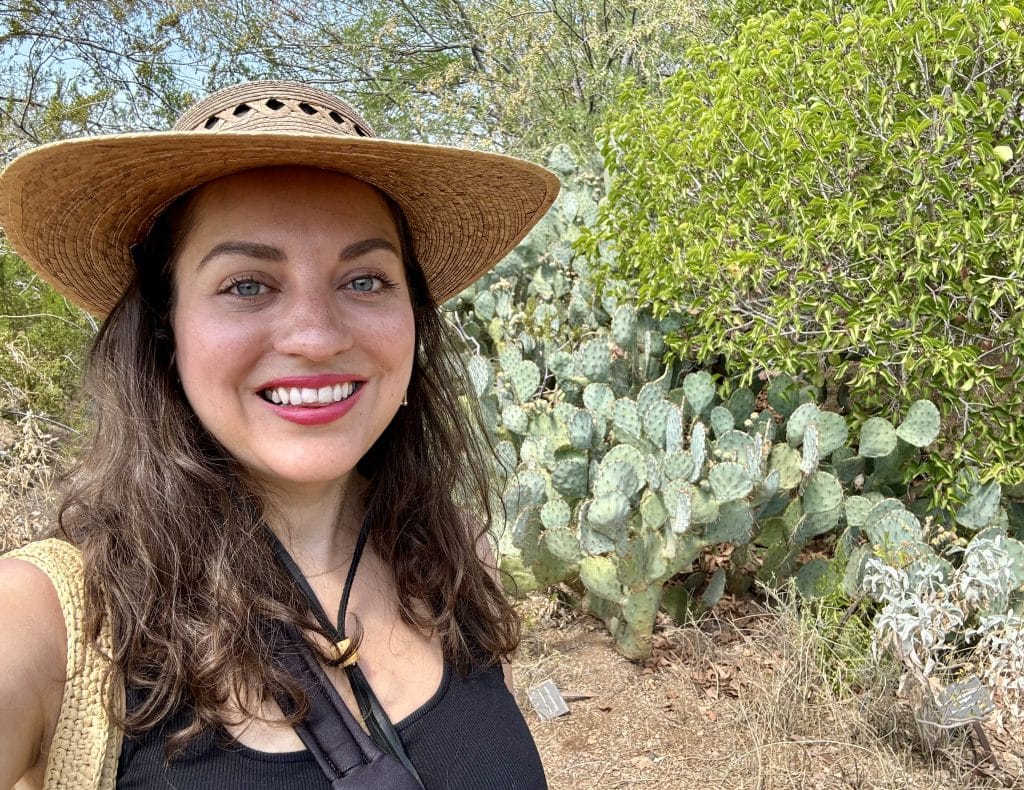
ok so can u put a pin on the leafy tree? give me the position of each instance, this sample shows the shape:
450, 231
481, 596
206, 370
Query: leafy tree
515, 75
87, 67
838, 193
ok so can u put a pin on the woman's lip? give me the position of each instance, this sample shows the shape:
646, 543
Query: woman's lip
310, 382
315, 414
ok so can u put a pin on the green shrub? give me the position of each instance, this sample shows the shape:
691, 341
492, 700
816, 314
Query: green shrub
43, 340
837, 193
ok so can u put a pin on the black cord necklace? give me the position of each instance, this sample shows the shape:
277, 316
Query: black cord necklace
376, 718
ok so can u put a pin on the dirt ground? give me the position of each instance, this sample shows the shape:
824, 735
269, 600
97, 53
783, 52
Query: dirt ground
722, 704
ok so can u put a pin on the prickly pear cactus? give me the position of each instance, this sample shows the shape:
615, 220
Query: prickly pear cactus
622, 469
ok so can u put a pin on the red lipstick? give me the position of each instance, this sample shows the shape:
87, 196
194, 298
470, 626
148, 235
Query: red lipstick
312, 413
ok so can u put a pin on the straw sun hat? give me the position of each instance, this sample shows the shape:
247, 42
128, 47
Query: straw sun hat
74, 208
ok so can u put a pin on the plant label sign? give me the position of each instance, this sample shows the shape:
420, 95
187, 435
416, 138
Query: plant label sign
547, 700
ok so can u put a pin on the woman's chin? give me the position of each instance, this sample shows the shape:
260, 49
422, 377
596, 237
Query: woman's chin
303, 480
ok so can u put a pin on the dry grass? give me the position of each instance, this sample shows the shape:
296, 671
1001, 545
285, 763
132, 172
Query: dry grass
29, 453
749, 699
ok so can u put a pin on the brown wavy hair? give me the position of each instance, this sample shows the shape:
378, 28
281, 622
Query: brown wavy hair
170, 525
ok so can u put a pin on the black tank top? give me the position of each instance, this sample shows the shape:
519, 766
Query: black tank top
469, 736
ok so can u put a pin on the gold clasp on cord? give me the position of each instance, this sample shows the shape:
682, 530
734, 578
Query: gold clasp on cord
342, 646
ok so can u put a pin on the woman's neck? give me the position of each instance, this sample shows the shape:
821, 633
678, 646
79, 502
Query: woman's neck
318, 528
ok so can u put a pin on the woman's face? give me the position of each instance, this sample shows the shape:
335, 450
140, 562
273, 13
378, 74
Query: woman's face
293, 321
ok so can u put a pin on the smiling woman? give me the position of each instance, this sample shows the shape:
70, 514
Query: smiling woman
280, 431
292, 280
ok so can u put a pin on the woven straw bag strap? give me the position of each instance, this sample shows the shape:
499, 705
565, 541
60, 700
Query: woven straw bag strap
86, 745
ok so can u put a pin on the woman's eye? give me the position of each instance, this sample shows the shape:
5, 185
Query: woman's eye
247, 288
364, 284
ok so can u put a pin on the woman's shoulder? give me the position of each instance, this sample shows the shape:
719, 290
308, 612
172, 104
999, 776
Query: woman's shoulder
44, 581
33, 652
65, 692
39, 582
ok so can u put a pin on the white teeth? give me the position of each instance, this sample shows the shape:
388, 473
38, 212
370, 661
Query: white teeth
294, 396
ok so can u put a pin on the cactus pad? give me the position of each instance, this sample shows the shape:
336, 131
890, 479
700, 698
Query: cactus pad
608, 512
721, 420
698, 448
810, 455
784, 394
812, 578
581, 430
700, 390
515, 419
857, 509
655, 419
735, 446
562, 544
833, 433
570, 477
618, 476
786, 461
813, 524
896, 530
856, 566
983, 506
741, 404
626, 419
678, 466
483, 306
632, 456
804, 415
481, 375
505, 452
561, 160
555, 514
624, 326
848, 468
593, 542
599, 398
561, 364
595, 361
681, 519
652, 512
734, 524
822, 492
525, 378
674, 431
598, 575
877, 438
729, 481
921, 426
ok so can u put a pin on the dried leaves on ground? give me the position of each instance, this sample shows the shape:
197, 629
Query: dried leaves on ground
736, 701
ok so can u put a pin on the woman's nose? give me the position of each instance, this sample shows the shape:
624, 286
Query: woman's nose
312, 324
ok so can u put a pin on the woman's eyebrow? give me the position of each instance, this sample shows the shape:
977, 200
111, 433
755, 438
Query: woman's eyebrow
250, 249
358, 248
266, 252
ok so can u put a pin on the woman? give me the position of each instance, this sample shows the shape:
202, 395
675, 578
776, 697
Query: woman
276, 405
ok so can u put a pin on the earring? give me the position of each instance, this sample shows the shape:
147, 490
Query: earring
405, 398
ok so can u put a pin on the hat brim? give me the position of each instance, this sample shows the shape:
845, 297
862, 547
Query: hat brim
73, 209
